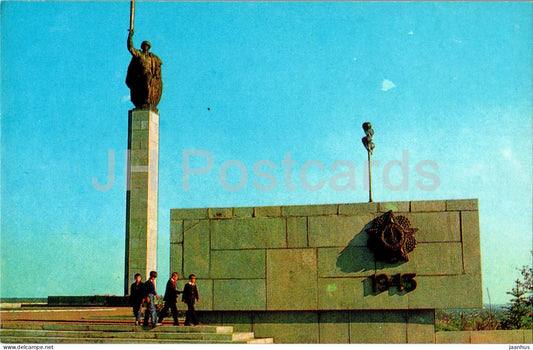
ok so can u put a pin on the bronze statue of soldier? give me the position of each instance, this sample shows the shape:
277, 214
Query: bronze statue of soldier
144, 76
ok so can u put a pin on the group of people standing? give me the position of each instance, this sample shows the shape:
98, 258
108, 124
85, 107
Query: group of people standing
145, 294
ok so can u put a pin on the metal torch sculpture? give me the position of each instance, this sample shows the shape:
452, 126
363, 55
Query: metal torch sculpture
369, 145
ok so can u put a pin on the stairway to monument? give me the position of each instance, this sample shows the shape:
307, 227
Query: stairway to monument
54, 333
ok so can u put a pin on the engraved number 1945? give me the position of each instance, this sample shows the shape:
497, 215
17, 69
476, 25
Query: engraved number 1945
381, 283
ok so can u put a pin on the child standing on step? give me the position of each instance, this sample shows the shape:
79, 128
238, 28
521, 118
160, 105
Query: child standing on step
189, 297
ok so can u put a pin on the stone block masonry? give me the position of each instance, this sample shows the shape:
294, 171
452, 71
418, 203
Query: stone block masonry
141, 195
306, 270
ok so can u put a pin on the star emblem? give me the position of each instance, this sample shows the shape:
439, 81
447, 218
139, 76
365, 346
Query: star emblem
391, 238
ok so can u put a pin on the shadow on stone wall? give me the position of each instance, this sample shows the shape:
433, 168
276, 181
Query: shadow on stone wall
356, 257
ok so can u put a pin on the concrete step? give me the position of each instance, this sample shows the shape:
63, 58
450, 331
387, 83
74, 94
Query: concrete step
133, 335
59, 340
261, 341
120, 333
115, 328
242, 336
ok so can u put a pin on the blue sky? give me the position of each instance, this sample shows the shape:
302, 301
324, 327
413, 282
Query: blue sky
449, 83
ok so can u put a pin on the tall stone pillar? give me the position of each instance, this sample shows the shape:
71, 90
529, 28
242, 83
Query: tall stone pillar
141, 195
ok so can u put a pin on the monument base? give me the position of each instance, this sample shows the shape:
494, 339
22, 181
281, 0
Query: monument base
306, 274
329, 327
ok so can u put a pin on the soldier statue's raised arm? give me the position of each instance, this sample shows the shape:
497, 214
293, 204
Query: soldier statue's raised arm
144, 76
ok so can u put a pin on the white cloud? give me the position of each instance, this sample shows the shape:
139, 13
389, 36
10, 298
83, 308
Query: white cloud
125, 98
507, 153
355, 58
386, 85
410, 33
515, 165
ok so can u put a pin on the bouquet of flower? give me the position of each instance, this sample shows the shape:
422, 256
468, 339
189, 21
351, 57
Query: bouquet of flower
159, 303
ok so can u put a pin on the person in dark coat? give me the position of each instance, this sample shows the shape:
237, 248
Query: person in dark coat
171, 298
137, 294
151, 295
190, 297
